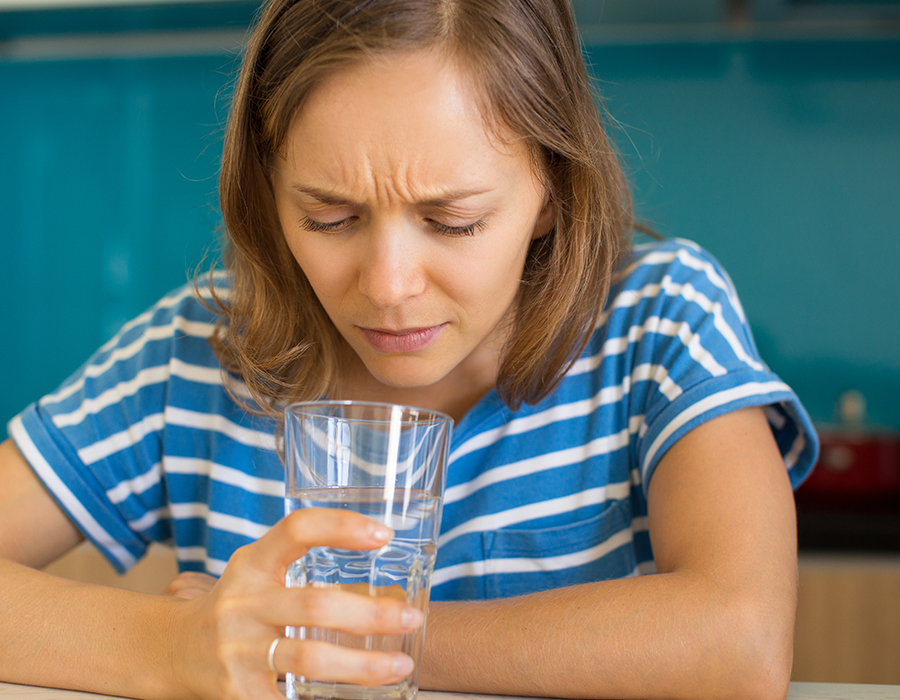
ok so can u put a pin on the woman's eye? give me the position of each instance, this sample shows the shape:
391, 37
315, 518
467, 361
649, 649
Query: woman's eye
324, 226
468, 230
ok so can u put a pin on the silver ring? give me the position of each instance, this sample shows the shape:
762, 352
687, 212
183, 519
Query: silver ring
272, 647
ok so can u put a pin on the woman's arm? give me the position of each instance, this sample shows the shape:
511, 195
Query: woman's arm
33, 529
60, 633
715, 622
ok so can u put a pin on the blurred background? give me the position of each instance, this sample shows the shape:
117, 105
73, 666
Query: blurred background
768, 131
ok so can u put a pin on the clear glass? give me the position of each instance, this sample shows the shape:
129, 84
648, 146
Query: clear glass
388, 462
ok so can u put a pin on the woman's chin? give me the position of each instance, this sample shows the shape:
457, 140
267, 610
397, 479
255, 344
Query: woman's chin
406, 374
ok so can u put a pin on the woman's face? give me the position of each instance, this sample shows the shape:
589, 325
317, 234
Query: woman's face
411, 222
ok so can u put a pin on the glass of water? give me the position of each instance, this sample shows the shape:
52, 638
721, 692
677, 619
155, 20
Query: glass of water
385, 461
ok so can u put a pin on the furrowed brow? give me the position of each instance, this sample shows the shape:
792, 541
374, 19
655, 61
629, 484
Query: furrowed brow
436, 202
451, 197
323, 196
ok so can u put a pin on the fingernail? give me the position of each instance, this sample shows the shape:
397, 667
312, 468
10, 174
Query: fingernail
403, 665
411, 618
380, 532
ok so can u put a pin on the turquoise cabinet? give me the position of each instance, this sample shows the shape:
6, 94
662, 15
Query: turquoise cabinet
108, 200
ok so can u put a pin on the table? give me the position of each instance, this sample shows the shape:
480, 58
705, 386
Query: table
798, 691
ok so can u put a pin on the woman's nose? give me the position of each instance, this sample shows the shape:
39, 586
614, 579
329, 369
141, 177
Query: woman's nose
391, 270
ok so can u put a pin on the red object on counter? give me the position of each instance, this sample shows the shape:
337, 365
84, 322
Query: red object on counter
857, 466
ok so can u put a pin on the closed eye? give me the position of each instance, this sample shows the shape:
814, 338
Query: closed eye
324, 226
337, 226
468, 230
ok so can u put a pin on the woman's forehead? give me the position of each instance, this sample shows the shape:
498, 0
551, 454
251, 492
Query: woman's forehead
411, 117
392, 84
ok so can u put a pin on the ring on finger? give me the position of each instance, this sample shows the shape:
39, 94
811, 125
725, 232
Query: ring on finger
271, 657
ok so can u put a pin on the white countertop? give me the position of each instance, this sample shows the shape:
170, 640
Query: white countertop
798, 691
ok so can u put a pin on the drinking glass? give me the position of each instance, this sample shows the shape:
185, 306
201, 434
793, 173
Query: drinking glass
385, 461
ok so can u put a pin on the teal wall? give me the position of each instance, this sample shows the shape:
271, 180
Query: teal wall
107, 194
780, 156
783, 159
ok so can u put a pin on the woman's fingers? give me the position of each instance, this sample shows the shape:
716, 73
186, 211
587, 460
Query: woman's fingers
296, 533
341, 610
328, 662
231, 627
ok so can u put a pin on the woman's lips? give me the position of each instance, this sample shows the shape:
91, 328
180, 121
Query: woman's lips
407, 340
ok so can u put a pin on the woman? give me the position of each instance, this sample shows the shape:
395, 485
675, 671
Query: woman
422, 207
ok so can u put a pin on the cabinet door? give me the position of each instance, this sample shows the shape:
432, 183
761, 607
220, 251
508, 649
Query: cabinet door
151, 575
848, 620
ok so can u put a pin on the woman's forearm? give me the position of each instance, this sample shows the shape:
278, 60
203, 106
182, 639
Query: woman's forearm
214, 645
717, 622
669, 635
61, 633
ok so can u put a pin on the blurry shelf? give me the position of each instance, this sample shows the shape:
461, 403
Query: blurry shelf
830, 10
42, 18
6, 5
739, 33
860, 530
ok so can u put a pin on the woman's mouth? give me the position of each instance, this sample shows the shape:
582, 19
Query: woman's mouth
401, 341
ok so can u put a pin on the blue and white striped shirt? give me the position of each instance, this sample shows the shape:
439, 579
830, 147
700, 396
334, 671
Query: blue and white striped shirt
144, 444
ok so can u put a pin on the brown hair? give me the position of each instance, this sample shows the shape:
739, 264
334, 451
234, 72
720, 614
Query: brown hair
524, 56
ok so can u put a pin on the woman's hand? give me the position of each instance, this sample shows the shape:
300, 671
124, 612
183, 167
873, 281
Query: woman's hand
226, 627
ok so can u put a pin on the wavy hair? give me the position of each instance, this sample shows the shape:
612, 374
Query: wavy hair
524, 57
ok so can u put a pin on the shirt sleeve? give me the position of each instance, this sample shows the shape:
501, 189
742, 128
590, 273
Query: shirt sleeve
695, 348
96, 442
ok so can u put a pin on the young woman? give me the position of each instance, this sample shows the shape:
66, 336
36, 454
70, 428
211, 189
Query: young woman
422, 207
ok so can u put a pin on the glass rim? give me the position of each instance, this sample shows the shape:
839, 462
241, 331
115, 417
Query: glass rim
307, 408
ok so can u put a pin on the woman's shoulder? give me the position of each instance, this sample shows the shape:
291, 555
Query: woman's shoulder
672, 270
659, 258
206, 295
194, 308
176, 329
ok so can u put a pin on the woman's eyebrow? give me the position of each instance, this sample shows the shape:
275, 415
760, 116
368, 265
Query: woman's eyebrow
451, 197
321, 195
439, 201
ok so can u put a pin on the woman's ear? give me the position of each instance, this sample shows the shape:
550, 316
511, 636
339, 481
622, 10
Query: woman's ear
546, 219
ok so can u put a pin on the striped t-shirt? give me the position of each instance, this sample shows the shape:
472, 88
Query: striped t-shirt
144, 444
